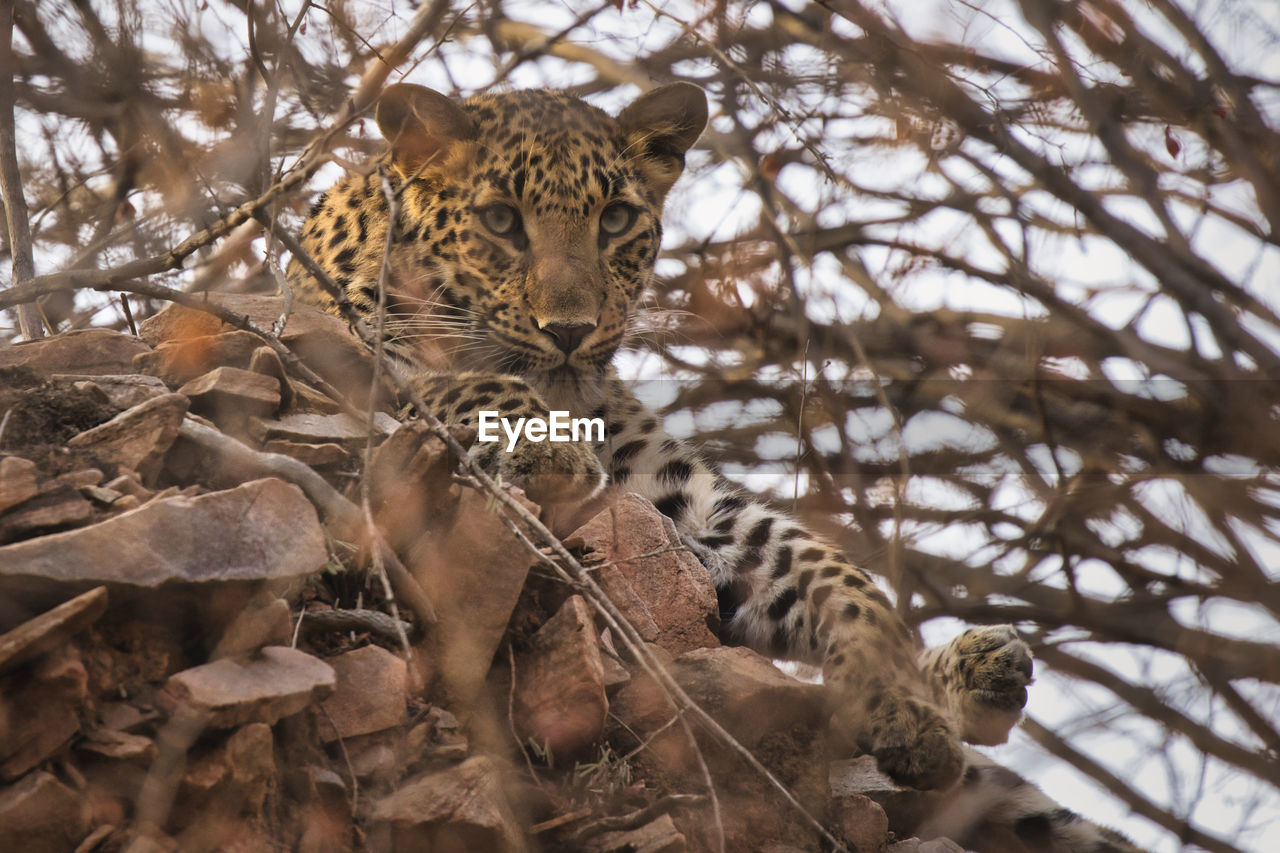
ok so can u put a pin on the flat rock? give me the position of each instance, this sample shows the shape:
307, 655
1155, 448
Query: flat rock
370, 695
118, 745
315, 455
321, 429
308, 399
560, 684
278, 683
136, 438
94, 352
180, 361
230, 391
49, 630
124, 391
39, 814
262, 530
17, 481
55, 506
81, 478
644, 552
934, 845
658, 836
107, 497
462, 808
129, 484
906, 808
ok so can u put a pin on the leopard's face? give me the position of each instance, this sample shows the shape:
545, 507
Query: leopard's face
529, 223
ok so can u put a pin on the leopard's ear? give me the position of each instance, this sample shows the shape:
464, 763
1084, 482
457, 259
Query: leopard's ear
422, 125
660, 126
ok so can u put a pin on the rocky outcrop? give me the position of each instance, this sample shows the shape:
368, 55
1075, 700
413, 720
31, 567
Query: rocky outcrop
218, 666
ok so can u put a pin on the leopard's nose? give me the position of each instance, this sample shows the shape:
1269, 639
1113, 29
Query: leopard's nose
568, 336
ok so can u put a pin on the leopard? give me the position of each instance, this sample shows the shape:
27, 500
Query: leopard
527, 224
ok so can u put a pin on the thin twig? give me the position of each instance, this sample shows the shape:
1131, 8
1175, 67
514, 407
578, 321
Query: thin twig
15, 204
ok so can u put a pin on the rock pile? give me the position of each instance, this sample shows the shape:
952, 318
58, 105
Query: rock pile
198, 651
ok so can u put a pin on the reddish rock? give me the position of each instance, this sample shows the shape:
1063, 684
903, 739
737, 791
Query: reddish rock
472, 572
308, 399
560, 690
128, 484
410, 482
105, 497
370, 694
644, 552
51, 629
55, 506
81, 478
251, 758
177, 362
39, 814
56, 685
229, 392
254, 627
176, 322
615, 674
136, 438
745, 693
457, 810
378, 759
862, 823
327, 826
262, 530
315, 455
118, 745
266, 361
659, 836
323, 831
17, 481
223, 790
778, 718
93, 352
437, 738
321, 340
278, 683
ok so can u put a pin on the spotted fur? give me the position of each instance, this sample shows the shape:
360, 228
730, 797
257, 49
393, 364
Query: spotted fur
529, 225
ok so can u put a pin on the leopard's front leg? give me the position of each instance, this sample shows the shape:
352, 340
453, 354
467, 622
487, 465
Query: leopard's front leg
787, 594
548, 471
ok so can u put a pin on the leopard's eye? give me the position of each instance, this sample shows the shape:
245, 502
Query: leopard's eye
617, 218
501, 219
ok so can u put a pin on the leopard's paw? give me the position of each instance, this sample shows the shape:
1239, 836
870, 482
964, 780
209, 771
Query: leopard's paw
990, 668
912, 742
549, 472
